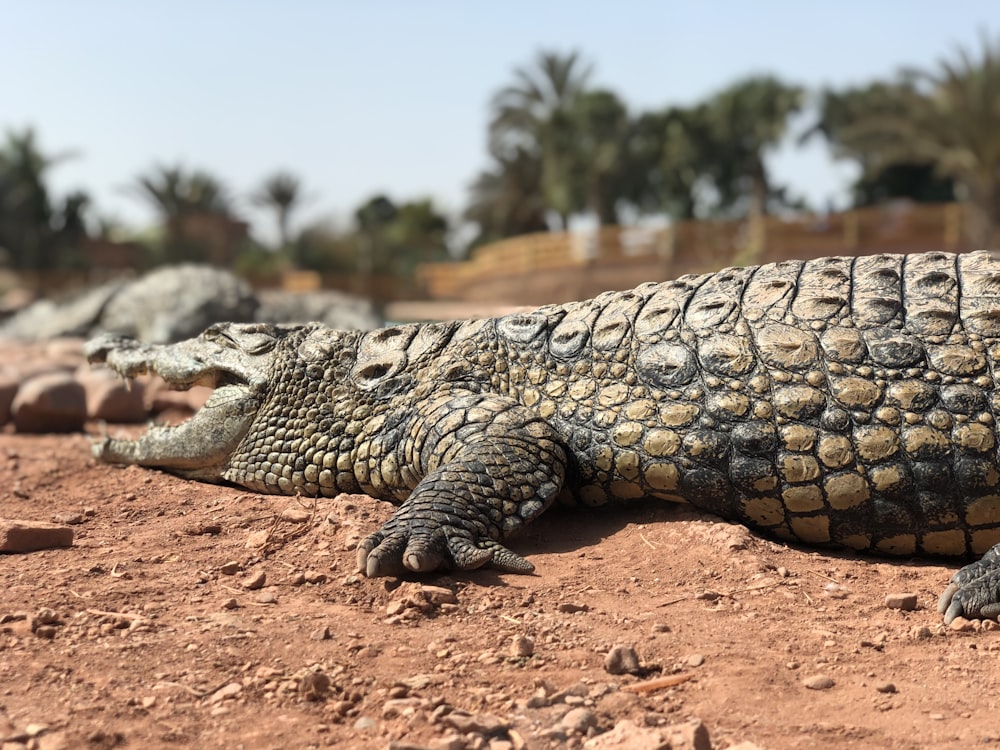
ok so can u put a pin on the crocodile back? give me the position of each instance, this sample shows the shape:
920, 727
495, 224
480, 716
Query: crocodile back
846, 400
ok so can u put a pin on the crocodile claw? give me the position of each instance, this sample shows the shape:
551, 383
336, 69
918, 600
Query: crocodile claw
387, 554
974, 591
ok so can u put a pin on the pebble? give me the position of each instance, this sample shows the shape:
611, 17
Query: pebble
627, 735
315, 576
320, 634
621, 659
230, 568
695, 660
920, 632
482, 723
257, 539
905, 602
961, 625
296, 515
578, 720
230, 604
28, 536
439, 595
266, 597
364, 723
886, 687
314, 686
660, 627
448, 742
255, 581
818, 682
570, 607
522, 646
226, 692
68, 518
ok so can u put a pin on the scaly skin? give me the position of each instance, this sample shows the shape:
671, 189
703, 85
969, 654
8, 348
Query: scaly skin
841, 400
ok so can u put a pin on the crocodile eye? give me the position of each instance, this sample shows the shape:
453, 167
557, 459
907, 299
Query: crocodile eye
254, 343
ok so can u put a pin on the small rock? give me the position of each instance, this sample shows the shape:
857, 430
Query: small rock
905, 602
364, 723
521, 646
578, 720
257, 539
448, 742
621, 659
660, 627
45, 631
570, 607
225, 692
230, 568
149, 701
961, 625
482, 723
627, 735
266, 597
230, 604
315, 576
28, 536
314, 686
295, 515
818, 682
320, 634
886, 687
920, 632
68, 518
255, 581
695, 660
438, 595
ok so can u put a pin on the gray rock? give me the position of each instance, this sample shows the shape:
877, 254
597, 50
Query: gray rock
621, 659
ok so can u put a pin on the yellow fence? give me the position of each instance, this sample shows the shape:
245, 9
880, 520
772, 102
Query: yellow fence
697, 246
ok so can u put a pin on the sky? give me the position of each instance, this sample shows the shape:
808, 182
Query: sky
392, 96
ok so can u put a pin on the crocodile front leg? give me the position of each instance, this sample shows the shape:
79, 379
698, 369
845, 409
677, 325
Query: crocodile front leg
974, 591
493, 467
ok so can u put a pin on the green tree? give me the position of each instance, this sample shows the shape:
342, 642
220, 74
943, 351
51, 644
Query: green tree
600, 133
31, 231
946, 117
840, 110
281, 192
747, 119
535, 116
174, 191
505, 200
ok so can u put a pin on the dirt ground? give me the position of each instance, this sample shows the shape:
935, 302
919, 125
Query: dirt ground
157, 634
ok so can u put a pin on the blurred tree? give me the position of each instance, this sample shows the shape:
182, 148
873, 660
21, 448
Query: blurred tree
174, 191
840, 110
668, 159
505, 200
394, 238
948, 118
534, 116
185, 200
600, 129
31, 232
747, 119
282, 192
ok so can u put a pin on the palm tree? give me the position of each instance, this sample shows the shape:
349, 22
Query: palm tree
282, 192
601, 125
535, 115
748, 118
174, 191
505, 200
949, 118
26, 214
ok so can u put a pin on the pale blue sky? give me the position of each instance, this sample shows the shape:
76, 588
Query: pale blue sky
392, 96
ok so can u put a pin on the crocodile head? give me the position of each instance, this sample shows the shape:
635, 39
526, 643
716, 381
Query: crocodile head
237, 360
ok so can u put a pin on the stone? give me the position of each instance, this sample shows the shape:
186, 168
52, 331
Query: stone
621, 659
905, 602
818, 682
110, 398
55, 402
28, 536
578, 720
255, 581
522, 646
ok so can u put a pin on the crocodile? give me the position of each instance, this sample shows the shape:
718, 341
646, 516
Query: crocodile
845, 400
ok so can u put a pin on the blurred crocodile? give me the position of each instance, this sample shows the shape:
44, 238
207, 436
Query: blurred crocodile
176, 302
842, 400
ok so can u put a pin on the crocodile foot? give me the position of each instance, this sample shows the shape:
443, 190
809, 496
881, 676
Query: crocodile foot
427, 536
974, 591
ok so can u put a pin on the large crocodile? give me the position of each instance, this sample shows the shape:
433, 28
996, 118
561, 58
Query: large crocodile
842, 400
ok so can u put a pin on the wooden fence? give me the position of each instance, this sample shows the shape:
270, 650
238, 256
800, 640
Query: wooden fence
692, 247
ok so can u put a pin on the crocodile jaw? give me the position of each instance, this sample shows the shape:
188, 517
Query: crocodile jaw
201, 447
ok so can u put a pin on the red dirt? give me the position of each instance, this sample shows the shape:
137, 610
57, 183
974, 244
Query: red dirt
748, 619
